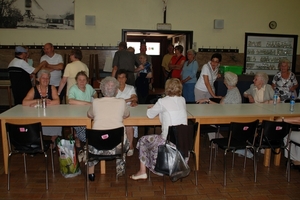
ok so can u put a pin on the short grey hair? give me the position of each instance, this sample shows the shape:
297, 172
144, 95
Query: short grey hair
264, 77
192, 51
43, 71
230, 78
109, 86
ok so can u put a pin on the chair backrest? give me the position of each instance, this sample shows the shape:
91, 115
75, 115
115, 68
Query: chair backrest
24, 136
289, 100
273, 132
183, 136
105, 139
20, 83
243, 131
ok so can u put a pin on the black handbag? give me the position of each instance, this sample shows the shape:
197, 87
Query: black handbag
162, 164
170, 162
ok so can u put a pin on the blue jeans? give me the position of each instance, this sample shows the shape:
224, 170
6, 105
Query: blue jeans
188, 92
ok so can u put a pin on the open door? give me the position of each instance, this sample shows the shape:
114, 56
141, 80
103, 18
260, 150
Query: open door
164, 38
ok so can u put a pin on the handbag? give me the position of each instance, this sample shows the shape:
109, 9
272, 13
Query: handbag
170, 162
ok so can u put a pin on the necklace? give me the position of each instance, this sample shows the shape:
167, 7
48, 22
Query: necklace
40, 91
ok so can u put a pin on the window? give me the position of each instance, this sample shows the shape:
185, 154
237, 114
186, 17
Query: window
153, 48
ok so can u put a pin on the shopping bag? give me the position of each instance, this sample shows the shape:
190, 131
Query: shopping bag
68, 163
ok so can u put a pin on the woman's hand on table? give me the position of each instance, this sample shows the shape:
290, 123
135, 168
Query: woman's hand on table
133, 104
150, 106
200, 101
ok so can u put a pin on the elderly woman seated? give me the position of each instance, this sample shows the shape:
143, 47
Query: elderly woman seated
107, 118
44, 90
260, 91
232, 96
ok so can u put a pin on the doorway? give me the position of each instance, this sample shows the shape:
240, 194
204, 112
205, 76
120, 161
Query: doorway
164, 38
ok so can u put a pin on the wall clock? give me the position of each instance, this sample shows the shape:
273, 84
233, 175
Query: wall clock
272, 24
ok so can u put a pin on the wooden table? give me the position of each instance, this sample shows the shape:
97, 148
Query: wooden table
60, 115
224, 114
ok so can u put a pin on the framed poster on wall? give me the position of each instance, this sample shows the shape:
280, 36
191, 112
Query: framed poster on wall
39, 14
264, 51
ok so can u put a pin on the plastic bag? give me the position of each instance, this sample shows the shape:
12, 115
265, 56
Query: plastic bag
68, 163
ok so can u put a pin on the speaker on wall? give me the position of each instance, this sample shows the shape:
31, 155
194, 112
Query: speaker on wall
218, 23
90, 20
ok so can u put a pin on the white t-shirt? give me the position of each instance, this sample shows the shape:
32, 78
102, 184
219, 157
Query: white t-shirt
212, 76
126, 93
20, 63
56, 74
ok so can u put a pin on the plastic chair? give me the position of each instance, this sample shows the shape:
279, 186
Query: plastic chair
241, 136
104, 140
184, 139
271, 137
27, 139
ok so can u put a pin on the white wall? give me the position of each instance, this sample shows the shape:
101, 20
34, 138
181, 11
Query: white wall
112, 16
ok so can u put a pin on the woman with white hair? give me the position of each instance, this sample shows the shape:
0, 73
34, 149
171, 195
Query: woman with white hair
260, 91
188, 76
108, 112
232, 96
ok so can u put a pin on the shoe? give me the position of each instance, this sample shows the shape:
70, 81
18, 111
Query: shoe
139, 177
130, 152
92, 177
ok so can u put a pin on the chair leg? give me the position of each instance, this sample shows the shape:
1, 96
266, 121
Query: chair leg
164, 180
149, 175
86, 190
288, 166
196, 171
255, 160
46, 168
8, 172
126, 188
25, 164
210, 155
245, 159
254, 165
225, 168
233, 156
52, 162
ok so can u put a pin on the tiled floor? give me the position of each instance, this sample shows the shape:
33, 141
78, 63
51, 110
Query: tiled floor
271, 182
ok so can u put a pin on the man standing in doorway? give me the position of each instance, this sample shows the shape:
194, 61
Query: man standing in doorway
55, 65
124, 59
143, 49
166, 60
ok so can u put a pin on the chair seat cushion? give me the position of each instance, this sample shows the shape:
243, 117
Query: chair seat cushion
33, 148
103, 157
223, 143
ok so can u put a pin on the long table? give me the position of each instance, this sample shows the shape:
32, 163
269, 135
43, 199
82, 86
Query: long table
70, 115
60, 115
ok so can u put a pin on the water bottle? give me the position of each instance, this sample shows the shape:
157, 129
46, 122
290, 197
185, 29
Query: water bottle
275, 98
292, 103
